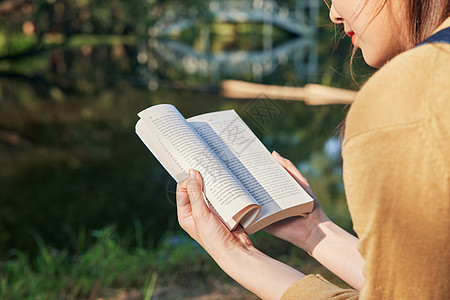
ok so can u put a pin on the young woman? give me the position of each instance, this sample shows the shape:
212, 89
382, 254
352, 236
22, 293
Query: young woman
396, 157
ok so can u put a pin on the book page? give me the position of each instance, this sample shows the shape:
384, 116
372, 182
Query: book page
249, 160
178, 148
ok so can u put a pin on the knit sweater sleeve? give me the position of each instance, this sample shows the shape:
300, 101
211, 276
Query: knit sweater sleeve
316, 287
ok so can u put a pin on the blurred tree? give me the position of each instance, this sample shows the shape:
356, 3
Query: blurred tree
65, 18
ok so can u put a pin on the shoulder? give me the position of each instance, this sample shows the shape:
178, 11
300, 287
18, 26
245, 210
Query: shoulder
407, 89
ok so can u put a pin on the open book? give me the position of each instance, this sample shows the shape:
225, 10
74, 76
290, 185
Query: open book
242, 181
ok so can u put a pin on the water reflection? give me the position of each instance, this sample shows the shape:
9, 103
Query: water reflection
70, 160
299, 19
84, 167
299, 53
221, 42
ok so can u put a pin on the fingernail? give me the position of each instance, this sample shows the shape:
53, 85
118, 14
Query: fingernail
276, 153
192, 173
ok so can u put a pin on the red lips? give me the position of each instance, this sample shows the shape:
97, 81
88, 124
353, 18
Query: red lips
351, 34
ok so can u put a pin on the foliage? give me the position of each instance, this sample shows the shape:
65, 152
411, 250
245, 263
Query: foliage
177, 267
31, 22
73, 74
107, 263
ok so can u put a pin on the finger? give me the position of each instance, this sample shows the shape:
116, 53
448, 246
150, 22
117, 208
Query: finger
182, 194
242, 236
200, 211
292, 169
184, 210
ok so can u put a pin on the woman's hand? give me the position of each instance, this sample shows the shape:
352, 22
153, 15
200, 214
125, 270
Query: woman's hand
329, 244
233, 251
300, 231
201, 223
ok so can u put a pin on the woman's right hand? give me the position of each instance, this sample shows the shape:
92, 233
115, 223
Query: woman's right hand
329, 244
300, 231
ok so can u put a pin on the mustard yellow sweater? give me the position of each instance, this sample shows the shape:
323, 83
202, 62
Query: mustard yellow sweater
396, 156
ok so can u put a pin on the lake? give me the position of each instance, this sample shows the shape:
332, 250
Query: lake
71, 162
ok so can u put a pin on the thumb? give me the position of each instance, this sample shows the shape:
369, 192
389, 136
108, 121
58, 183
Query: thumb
196, 196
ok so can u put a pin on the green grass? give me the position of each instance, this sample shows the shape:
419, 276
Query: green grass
106, 264
104, 268
178, 267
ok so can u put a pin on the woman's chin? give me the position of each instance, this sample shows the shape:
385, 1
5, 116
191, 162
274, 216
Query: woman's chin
376, 58
374, 61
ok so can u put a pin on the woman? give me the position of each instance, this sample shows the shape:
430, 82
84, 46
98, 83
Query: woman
396, 157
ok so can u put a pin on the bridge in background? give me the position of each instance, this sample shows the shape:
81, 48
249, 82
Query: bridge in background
299, 20
299, 52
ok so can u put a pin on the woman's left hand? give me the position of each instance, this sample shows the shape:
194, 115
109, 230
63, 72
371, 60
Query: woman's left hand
232, 250
201, 223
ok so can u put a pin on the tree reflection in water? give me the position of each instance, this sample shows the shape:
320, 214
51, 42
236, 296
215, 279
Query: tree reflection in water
69, 157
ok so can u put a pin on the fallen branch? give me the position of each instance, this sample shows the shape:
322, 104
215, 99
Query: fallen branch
311, 94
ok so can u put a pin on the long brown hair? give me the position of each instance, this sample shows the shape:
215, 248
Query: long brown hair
424, 17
